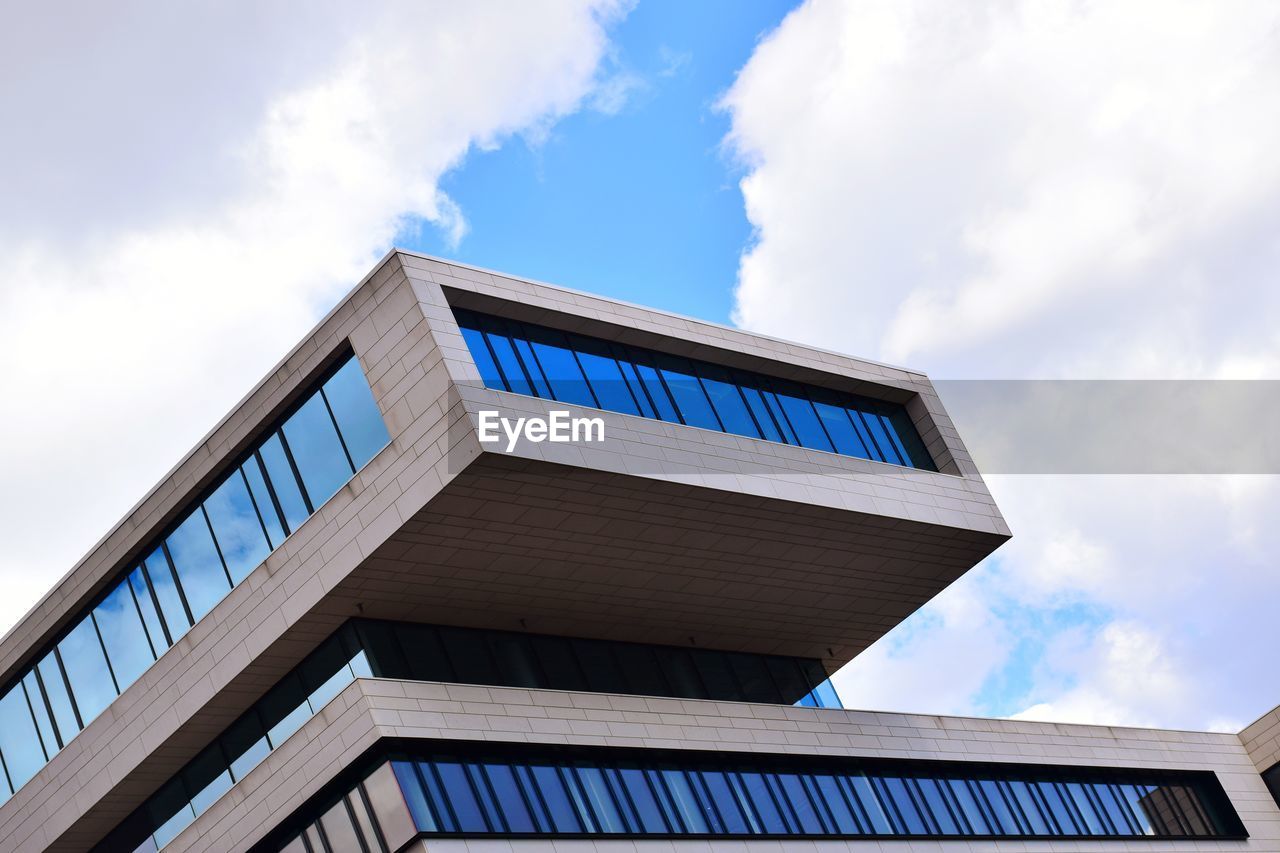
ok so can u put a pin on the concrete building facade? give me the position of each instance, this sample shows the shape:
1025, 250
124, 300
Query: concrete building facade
349, 621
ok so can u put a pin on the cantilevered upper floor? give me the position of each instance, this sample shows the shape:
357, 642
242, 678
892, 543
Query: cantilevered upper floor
749, 495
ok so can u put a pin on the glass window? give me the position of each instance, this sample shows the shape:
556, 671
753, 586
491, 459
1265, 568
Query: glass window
55, 689
802, 417
19, 740
43, 722
764, 419
763, 804
656, 391
1028, 807
283, 482
935, 804
894, 791
236, 527
356, 412
206, 778
262, 501
506, 789
338, 829
515, 659
727, 400
245, 744
195, 558
509, 364
469, 654
427, 658
325, 673
120, 624
970, 813
414, 796
691, 400
462, 796
559, 663
714, 671
284, 709
801, 806
170, 811
605, 376
560, 367
147, 607
681, 674
641, 794
480, 354
871, 805
316, 450
840, 430
639, 667
789, 679
598, 664
835, 805
167, 593
687, 807
86, 669
560, 809
724, 802
391, 806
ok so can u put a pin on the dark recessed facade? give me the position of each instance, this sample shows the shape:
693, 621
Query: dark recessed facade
350, 621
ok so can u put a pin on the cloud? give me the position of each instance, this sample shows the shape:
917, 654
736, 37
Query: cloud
1042, 190
188, 191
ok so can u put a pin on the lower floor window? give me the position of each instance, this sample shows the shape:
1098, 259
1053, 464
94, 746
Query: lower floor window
520, 790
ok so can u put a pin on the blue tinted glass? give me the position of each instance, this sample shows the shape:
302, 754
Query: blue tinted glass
632, 380
727, 401
606, 379
561, 368
686, 804
825, 695
262, 500
558, 804
895, 792
602, 804
195, 559
998, 809
836, 805
531, 367
641, 796
724, 801
763, 804
56, 690
356, 412
871, 807
1135, 797
876, 426
841, 430
1050, 795
19, 741
414, 797
150, 617
284, 709
691, 401
803, 419
971, 813
86, 670
760, 410
283, 482
316, 450
513, 371
1029, 808
122, 632
801, 806
509, 797
935, 803
43, 722
780, 417
489, 808
175, 617
656, 392
484, 360
466, 809
236, 527
1086, 809
1113, 803
214, 788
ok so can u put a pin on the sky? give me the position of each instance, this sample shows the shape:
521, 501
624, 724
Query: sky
989, 190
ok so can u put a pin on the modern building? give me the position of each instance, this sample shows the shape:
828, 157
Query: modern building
349, 621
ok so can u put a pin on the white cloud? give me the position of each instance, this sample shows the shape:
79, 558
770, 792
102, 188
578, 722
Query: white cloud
1034, 189
188, 191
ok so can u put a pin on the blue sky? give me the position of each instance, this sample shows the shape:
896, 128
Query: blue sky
996, 189
641, 204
